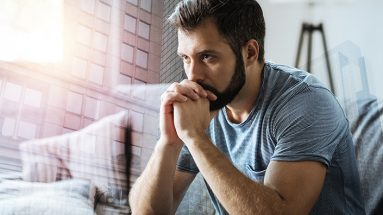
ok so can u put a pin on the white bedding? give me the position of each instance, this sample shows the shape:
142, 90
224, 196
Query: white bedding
74, 197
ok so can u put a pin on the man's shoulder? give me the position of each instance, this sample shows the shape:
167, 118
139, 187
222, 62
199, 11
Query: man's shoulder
282, 82
290, 75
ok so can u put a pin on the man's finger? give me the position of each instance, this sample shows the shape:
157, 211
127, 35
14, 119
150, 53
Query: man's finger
195, 86
211, 96
170, 97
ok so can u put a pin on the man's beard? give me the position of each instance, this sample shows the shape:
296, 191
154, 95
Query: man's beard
237, 81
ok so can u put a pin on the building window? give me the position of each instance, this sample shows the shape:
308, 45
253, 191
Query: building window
137, 120
143, 30
33, 98
91, 107
100, 41
138, 93
27, 130
74, 102
146, 5
84, 34
103, 11
79, 68
96, 74
142, 59
127, 52
135, 2
12, 92
87, 6
130, 23
124, 79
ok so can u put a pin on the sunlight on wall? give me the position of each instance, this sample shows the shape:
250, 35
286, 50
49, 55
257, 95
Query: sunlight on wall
31, 30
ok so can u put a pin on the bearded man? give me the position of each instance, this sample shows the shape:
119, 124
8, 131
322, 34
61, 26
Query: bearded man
267, 138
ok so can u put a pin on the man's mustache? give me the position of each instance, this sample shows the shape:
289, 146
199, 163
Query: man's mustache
209, 88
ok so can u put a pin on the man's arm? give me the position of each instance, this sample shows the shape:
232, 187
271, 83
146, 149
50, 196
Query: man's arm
160, 188
289, 187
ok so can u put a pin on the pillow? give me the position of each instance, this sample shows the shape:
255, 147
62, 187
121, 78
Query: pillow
95, 153
365, 115
64, 197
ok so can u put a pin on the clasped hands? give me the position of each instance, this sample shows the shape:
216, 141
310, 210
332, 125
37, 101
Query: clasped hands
185, 112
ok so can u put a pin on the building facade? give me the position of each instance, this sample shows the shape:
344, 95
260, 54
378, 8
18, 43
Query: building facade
171, 65
106, 43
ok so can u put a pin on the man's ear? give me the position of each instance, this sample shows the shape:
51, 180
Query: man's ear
251, 52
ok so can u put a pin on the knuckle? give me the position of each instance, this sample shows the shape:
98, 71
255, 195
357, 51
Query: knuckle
173, 85
177, 88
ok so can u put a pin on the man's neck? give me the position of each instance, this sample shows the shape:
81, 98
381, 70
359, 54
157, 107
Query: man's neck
239, 109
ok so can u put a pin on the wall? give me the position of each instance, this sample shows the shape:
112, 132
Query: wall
171, 65
355, 21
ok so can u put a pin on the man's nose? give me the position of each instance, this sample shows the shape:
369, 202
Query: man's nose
195, 72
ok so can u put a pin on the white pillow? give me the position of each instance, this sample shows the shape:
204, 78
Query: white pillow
74, 197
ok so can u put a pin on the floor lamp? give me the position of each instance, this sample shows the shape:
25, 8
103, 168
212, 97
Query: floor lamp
309, 29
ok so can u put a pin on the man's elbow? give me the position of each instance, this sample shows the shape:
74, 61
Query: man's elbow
140, 205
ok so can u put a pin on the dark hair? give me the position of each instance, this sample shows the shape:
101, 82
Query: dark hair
237, 20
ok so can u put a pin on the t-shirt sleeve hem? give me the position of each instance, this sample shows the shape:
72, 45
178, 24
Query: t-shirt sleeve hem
302, 158
184, 169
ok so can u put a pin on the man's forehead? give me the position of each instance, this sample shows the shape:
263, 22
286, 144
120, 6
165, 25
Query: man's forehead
199, 40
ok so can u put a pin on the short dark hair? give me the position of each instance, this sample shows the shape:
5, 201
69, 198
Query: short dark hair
237, 20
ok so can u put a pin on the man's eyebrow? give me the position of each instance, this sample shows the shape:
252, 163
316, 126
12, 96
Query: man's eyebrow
205, 51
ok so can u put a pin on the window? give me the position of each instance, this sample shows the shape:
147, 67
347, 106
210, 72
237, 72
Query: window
127, 52
142, 59
96, 74
138, 93
130, 23
146, 5
124, 79
8, 128
84, 34
27, 130
91, 107
33, 97
87, 6
74, 102
137, 121
79, 68
100, 41
143, 30
135, 2
103, 11
12, 92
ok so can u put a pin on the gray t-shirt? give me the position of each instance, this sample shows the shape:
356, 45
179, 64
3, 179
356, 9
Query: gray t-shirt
295, 119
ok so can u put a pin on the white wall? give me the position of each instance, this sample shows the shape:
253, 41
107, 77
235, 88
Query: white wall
358, 21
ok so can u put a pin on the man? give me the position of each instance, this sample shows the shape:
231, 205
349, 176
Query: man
267, 138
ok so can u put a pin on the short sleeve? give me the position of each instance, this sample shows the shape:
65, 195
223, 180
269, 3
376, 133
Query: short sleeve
308, 126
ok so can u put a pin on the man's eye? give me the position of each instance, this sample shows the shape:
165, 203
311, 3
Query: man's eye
207, 57
185, 58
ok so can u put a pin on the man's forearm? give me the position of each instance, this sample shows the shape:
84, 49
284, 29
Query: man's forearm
153, 190
237, 193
